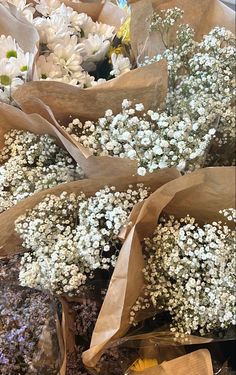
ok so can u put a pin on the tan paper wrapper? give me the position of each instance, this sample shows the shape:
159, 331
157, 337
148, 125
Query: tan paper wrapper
13, 118
147, 85
67, 102
15, 25
202, 15
10, 242
67, 333
201, 194
196, 363
41, 120
101, 11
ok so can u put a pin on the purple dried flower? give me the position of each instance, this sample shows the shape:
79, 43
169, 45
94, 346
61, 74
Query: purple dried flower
23, 315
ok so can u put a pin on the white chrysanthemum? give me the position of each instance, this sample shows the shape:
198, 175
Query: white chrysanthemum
51, 30
120, 64
67, 55
93, 49
46, 69
14, 66
104, 31
94, 46
46, 7
9, 73
8, 47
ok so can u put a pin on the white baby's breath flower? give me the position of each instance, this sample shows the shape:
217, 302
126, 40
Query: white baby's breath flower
154, 141
31, 163
190, 272
70, 237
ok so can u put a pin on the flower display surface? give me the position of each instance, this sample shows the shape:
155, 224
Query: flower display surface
117, 187
70, 237
30, 163
190, 272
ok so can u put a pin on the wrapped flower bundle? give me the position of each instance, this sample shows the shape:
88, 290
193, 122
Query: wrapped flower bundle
72, 237
191, 288
32, 157
201, 79
190, 272
73, 48
196, 128
155, 140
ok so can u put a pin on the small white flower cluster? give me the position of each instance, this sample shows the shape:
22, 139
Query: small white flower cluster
155, 140
164, 20
201, 82
30, 163
70, 237
190, 272
14, 67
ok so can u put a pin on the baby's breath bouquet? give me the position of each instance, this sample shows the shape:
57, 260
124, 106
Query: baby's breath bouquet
190, 272
155, 140
30, 163
72, 237
32, 157
201, 79
70, 233
181, 270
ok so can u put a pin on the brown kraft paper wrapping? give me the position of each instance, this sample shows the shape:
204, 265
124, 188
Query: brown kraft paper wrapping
15, 25
14, 118
68, 102
42, 121
200, 194
101, 11
202, 15
147, 85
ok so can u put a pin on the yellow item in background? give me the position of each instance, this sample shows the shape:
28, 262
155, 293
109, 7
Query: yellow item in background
143, 364
124, 31
117, 50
